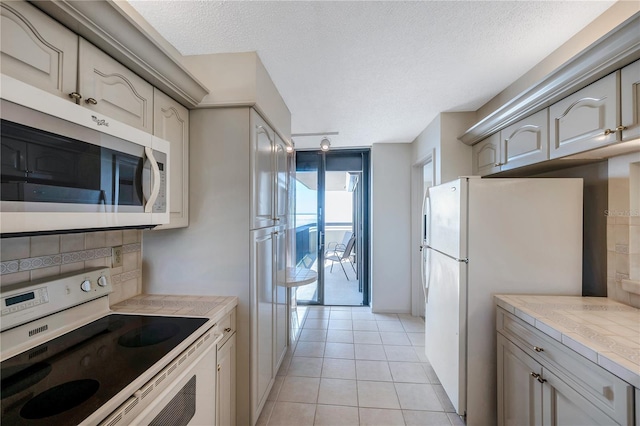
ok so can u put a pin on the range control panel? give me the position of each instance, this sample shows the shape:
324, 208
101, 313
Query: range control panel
24, 302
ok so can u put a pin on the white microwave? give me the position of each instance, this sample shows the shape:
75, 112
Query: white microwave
65, 168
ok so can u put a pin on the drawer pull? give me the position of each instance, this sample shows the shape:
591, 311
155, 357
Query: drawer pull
538, 349
227, 330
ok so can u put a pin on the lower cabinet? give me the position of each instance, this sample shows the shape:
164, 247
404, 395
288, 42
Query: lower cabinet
226, 372
541, 382
530, 394
226, 385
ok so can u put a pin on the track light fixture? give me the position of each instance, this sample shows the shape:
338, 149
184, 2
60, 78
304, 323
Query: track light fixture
325, 144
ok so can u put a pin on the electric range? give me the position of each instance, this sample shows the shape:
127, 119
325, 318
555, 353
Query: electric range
67, 360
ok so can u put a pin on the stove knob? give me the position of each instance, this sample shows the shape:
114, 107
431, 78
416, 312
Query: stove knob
86, 286
102, 281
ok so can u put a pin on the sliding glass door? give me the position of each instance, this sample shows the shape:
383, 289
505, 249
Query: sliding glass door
331, 238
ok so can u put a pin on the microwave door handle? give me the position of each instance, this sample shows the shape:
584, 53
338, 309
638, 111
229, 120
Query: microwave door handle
155, 180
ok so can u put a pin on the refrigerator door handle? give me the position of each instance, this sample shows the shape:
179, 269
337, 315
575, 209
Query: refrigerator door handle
449, 256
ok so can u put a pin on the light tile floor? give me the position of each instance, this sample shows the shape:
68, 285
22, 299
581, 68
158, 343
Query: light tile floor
353, 367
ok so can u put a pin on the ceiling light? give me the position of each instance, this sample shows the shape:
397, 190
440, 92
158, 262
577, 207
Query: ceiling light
325, 144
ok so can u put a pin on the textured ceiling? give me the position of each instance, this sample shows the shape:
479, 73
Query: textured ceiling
376, 71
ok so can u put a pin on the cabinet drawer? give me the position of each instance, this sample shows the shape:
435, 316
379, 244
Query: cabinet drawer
609, 393
227, 327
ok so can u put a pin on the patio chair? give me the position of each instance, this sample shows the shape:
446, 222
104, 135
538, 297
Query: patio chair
341, 255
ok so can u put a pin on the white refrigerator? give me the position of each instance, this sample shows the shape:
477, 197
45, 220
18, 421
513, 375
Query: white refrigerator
484, 237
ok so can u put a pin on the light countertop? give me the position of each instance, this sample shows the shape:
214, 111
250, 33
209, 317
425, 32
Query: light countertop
602, 330
212, 307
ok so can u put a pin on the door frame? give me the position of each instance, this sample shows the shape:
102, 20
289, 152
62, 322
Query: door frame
417, 196
362, 228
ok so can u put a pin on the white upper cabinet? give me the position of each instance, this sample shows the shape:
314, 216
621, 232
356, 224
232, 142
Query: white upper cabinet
262, 145
38, 50
630, 101
171, 122
281, 176
270, 169
584, 120
486, 156
525, 142
109, 88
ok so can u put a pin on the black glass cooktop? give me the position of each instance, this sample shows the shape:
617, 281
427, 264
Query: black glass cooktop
65, 380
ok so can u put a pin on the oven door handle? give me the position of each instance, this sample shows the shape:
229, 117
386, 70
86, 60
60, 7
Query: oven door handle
155, 179
217, 337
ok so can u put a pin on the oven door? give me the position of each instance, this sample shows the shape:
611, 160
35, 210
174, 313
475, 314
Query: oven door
189, 399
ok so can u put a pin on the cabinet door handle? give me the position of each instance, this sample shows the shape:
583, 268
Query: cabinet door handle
540, 379
227, 330
498, 164
621, 128
535, 375
538, 349
218, 367
75, 96
91, 101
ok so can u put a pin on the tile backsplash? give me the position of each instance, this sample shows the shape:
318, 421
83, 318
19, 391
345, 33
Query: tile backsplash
623, 229
30, 258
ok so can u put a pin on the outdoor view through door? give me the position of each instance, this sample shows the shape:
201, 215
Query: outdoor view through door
331, 193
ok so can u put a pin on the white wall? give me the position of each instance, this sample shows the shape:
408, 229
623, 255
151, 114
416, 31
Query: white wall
391, 228
451, 159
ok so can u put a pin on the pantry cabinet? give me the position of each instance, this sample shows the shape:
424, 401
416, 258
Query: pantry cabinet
270, 175
630, 101
225, 143
171, 122
585, 120
542, 382
486, 156
280, 337
38, 50
525, 142
269, 309
109, 88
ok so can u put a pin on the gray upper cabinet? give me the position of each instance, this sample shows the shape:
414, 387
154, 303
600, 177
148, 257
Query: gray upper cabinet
109, 88
486, 156
584, 120
630, 101
37, 50
171, 122
525, 142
